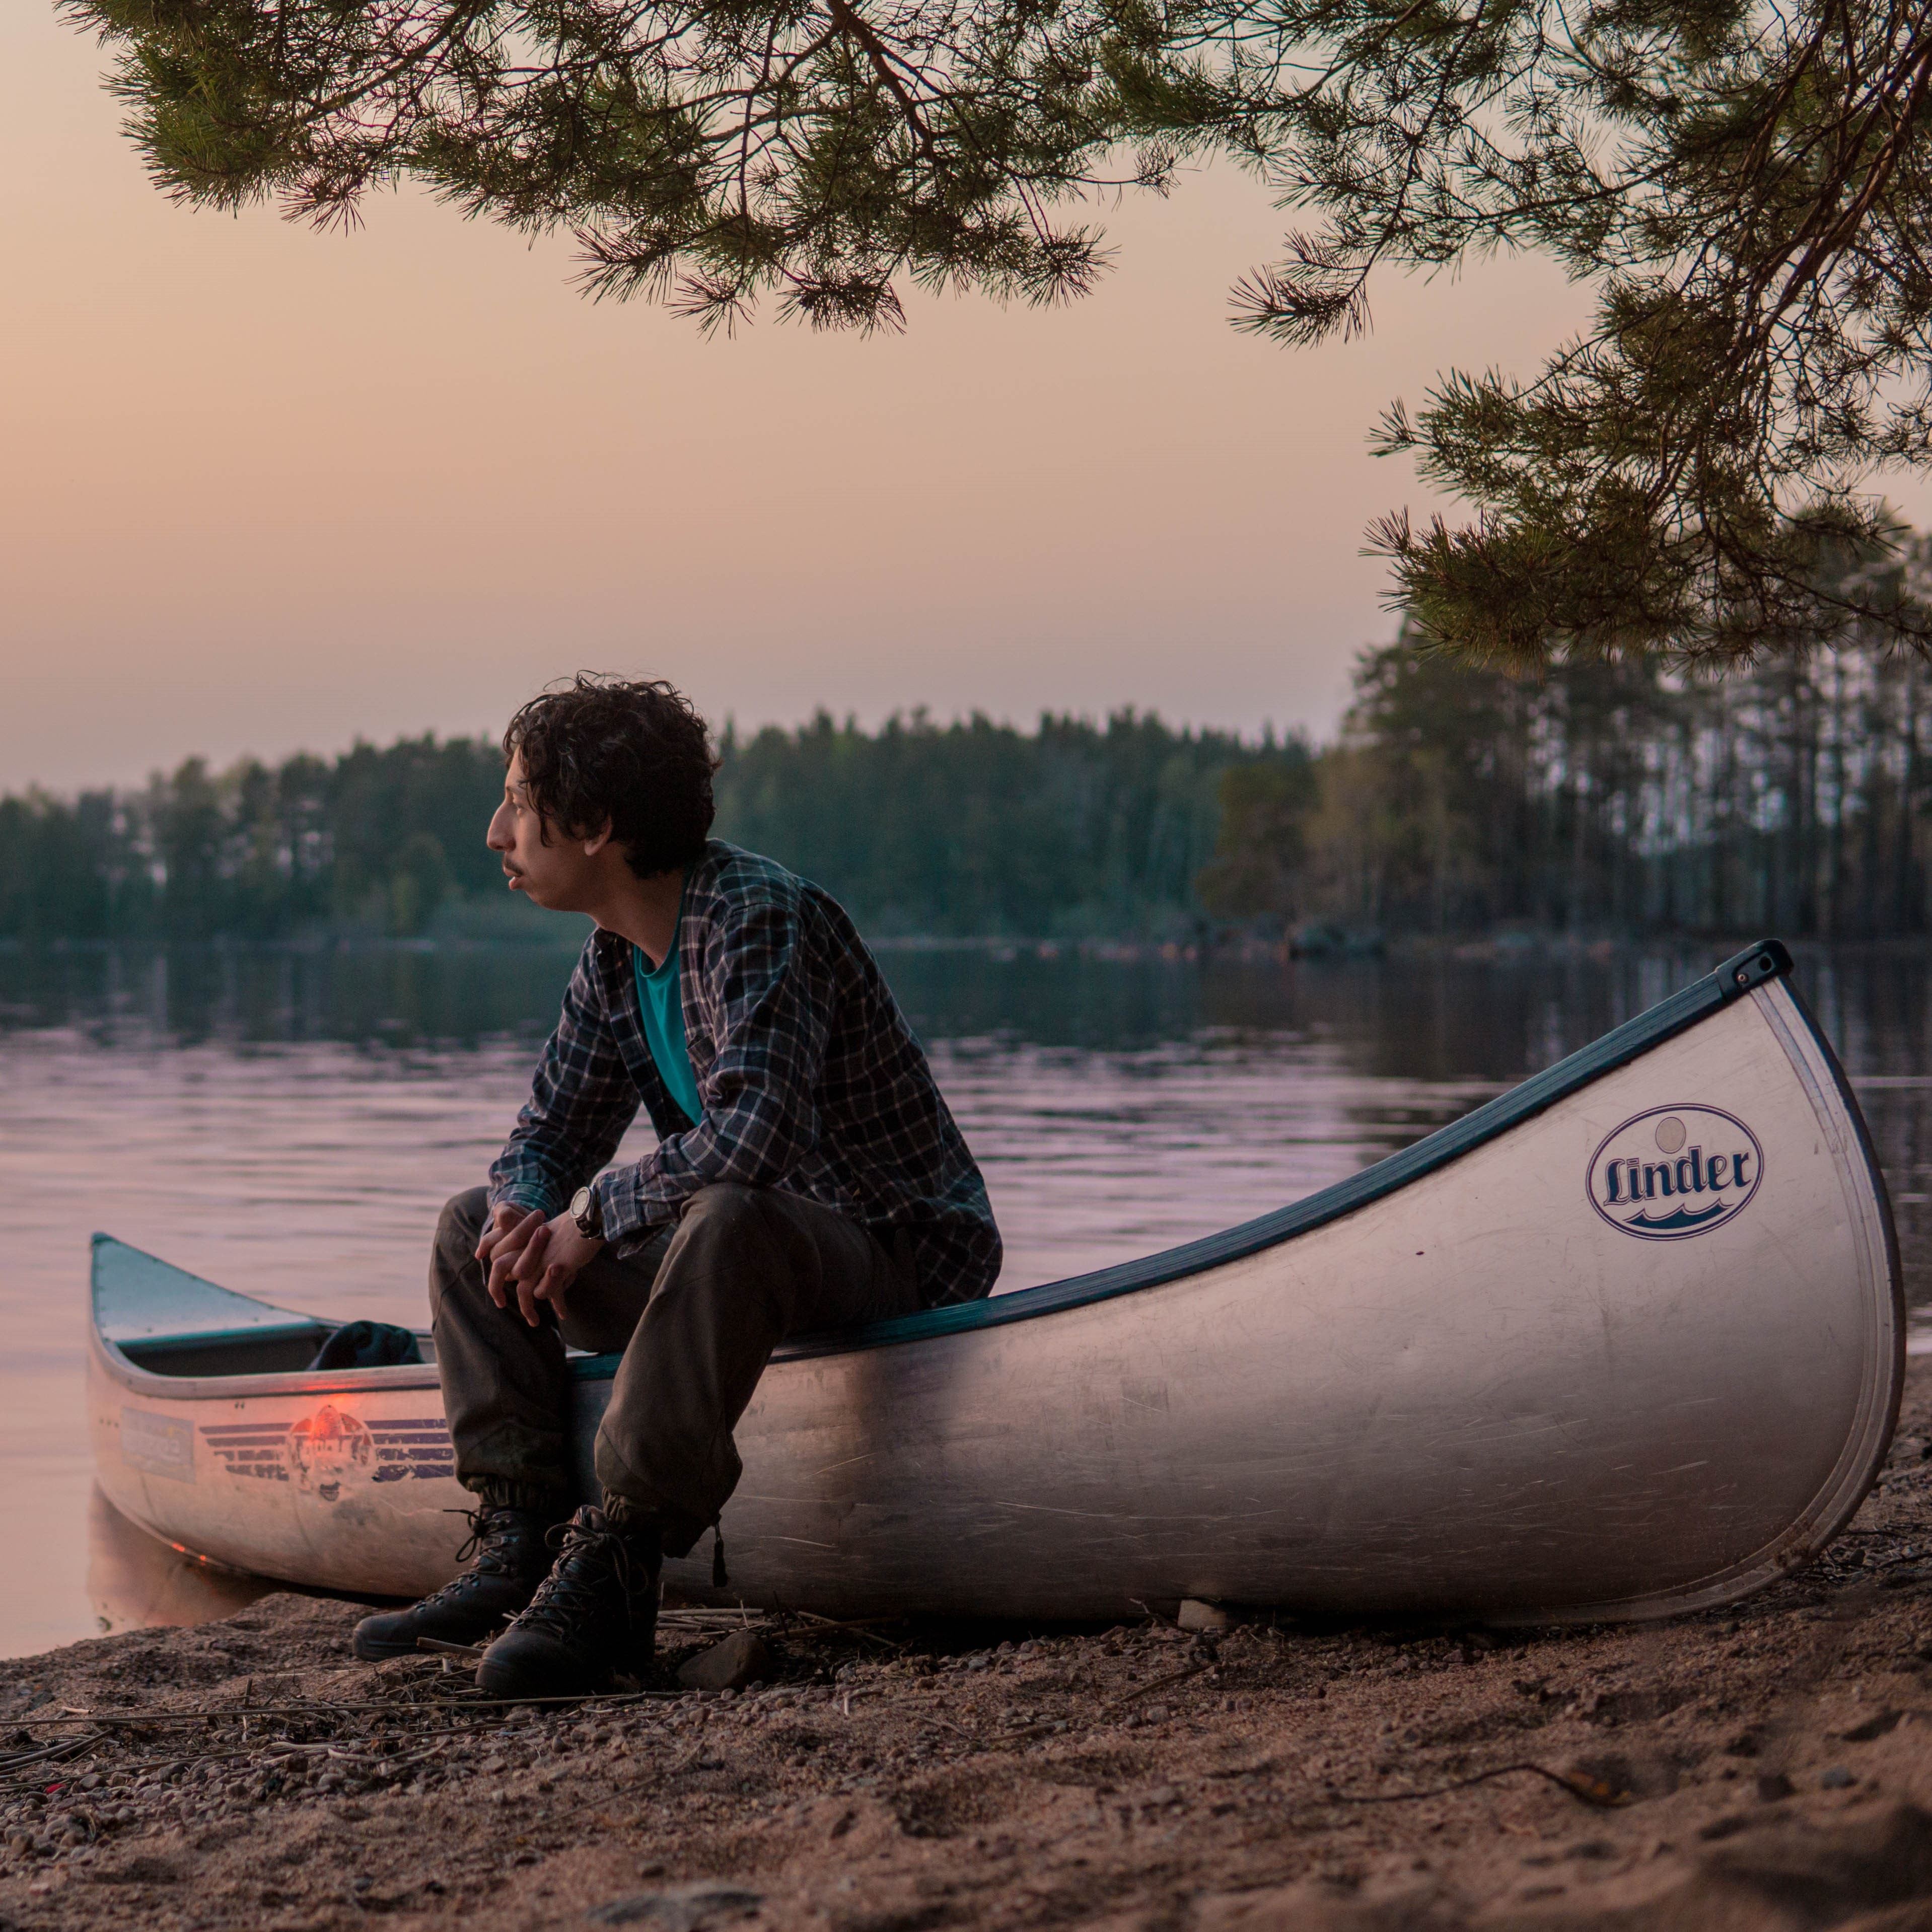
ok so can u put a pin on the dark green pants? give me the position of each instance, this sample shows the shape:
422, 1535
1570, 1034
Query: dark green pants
696, 1315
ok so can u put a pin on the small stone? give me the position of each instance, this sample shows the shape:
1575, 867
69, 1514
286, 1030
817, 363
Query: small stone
1773, 1787
1837, 1779
1877, 1726
740, 1660
682, 1908
1726, 1827
1636, 1775
1196, 1616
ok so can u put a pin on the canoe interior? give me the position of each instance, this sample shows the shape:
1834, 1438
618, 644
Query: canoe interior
173, 1323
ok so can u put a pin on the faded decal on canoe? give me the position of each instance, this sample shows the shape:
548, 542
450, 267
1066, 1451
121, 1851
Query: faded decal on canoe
327, 1446
317, 1451
158, 1445
1675, 1171
250, 1448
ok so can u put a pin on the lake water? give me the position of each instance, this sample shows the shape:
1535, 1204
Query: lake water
289, 1123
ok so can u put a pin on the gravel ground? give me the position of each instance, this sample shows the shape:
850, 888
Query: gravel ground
1758, 1768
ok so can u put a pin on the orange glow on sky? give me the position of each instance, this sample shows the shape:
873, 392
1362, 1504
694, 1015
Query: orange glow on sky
266, 488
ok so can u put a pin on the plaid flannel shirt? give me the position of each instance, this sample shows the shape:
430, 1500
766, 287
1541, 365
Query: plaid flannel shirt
810, 1079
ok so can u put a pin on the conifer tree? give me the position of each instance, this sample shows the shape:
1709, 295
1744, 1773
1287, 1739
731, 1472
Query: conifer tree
1743, 183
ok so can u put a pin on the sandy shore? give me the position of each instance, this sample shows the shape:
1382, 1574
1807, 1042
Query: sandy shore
1763, 1766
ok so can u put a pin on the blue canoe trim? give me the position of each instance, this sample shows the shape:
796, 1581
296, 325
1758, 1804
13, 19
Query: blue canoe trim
1767, 960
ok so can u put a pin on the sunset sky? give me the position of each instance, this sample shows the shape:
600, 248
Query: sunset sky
265, 488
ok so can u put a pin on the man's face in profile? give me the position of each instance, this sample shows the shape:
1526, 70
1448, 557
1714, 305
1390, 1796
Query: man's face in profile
548, 868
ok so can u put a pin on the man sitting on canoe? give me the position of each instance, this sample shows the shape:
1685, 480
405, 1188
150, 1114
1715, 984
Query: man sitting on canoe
807, 1174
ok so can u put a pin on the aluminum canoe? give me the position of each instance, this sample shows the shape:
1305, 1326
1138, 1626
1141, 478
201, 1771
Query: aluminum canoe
1626, 1341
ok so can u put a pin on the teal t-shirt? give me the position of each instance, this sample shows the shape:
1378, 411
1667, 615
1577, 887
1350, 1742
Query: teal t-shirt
662, 1004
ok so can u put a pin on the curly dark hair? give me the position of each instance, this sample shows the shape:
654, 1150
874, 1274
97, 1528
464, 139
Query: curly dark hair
632, 752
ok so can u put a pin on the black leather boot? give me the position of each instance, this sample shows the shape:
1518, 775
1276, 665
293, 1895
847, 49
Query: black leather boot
596, 1614
512, 1558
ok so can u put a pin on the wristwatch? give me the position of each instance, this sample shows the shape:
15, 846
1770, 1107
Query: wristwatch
587, 1211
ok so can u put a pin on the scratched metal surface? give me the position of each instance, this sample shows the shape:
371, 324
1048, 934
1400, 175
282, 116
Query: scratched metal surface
1495, 1391
1479, 1394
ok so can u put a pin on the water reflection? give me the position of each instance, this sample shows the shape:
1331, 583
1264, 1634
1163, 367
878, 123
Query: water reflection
136, 1582
377, 995
1431, 1018
288, 1123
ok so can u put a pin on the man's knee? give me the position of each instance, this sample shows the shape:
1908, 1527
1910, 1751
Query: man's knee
730, 1233
725, 1211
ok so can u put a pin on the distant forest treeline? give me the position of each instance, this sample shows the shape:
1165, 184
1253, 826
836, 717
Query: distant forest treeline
1624, 798
1603, 798
969, 828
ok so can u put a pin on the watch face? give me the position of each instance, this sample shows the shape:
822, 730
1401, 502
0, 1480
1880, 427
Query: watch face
583, 1211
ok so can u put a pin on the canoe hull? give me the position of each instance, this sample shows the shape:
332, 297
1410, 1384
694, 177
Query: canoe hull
1484, 1393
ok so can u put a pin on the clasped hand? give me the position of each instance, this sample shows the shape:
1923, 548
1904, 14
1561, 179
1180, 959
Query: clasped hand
534, 1259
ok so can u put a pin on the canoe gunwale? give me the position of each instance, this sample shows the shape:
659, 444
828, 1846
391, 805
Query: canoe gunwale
138, 1381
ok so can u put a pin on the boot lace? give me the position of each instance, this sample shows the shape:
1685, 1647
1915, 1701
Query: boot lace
595, 1562
482, 1544
483, 1533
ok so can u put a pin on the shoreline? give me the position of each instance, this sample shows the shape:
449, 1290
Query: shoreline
1759, 1766
1500, 945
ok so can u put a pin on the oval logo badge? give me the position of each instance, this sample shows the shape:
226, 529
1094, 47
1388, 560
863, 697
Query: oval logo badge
1675, 1171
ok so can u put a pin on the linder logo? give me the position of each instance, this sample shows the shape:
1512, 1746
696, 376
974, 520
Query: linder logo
1674, 1171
